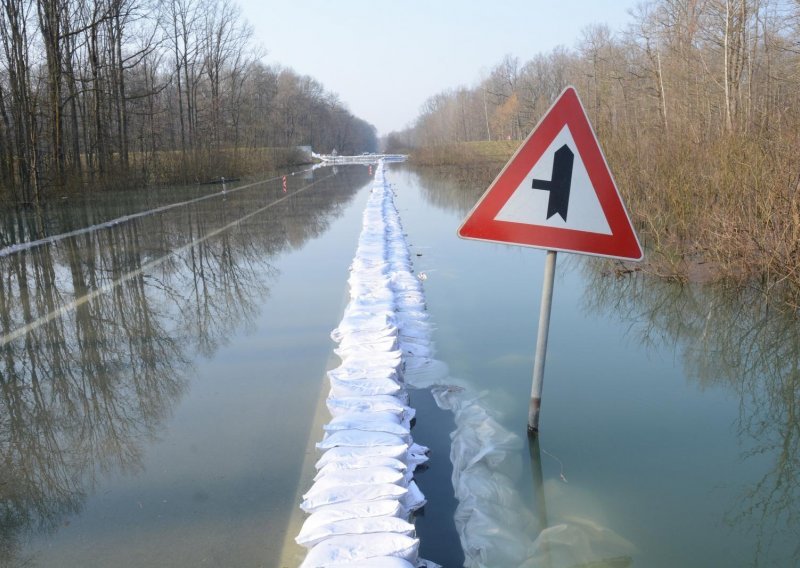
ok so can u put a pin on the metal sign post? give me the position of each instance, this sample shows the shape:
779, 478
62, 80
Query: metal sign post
541, 343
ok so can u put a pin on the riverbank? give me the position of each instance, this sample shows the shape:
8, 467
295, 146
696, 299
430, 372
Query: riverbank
727, 211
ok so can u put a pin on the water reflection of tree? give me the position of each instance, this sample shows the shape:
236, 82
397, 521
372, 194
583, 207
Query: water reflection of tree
81, 393
455, 188
733, 338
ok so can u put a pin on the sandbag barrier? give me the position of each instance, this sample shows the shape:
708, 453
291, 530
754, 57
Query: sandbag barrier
363, 498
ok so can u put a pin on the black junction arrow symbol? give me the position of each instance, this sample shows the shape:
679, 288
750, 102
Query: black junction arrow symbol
559, 184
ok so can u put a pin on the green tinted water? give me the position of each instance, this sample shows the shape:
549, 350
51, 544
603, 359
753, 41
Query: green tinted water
159, 418
155, 410
670, 413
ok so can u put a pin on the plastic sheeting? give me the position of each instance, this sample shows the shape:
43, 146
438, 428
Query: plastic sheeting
494, 525
362, 501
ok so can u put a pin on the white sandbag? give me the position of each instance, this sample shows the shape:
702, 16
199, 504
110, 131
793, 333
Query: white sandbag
355, 477
368, 264
345, 453
353, 419
364, 387
370, 287
355, 320
377, 305
379, 424
378, 403
354, 526
362, 276
413, 499
381, 330
359, 357
362, 370
376, 326
364, 355
359, 438
361, 463
382, 340
417, 455
342, 511
366, 285
346, 550
352, 493
368, 313
364, 342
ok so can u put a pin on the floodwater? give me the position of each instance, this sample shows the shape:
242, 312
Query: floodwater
162, 421
158, 381
670, 426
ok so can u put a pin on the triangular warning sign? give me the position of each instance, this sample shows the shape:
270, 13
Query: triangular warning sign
556, 192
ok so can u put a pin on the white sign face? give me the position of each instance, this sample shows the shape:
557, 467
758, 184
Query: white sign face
582, 209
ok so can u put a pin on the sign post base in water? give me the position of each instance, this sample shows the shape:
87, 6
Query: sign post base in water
541, 343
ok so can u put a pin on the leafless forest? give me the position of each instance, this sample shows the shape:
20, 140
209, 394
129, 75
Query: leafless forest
154, 91
697, 106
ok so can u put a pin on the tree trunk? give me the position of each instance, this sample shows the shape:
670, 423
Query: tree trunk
50, 28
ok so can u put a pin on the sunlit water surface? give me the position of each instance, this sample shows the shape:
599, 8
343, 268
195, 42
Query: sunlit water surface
156, 409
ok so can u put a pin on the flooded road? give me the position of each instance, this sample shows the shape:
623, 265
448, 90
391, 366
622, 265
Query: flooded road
158, 397
162, 421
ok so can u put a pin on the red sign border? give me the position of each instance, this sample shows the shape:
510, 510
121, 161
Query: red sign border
481, 224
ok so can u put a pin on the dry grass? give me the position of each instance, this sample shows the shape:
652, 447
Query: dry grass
169, 168
732, 203
465, 153
727, 208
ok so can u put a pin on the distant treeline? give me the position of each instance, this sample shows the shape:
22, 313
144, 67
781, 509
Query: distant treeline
697, 105
164, 91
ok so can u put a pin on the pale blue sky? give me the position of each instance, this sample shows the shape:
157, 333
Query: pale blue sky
385, 58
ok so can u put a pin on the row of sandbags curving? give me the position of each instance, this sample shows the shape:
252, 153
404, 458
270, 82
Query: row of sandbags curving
362, 501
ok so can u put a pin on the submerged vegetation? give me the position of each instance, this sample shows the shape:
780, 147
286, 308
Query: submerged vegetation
697, 106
